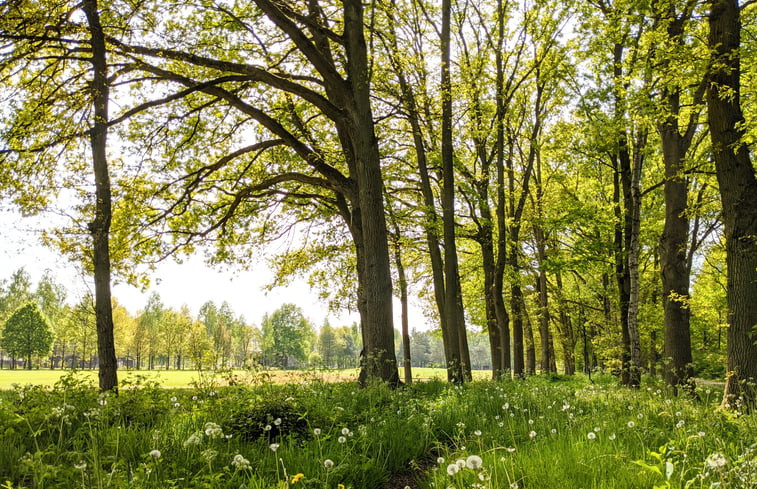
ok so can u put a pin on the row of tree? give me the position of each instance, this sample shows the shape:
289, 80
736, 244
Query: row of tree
550, 171
40, 324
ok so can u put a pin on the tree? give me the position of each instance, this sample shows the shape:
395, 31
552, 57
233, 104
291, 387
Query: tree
27, 332
738, 193
327, 91
284, 335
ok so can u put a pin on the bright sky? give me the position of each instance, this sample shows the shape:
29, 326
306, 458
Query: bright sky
192, 282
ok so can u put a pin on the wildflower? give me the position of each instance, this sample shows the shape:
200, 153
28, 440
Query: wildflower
340, 486
173, 399
611, 437
345, 431
440, 460
591, 435
510, 449
342, 439
81, 465
477, 432
328, 463
317, 431
193, 440
473, 462
194, 398
176, 405
530, 421
155, 454
640, 415
460, 463
631, 424
297, 477
553, 431
213, 430
532, 434
240, 462
513, 485
267, 427
273, 446
209, 454
716, 461
277, 421
701, 434
680, 423
453, 469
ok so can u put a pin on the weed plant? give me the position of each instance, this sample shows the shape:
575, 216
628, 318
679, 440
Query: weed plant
542, 433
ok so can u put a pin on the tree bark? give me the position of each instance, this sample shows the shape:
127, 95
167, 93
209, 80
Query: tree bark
381, 361
100, 226
738, 193
452, 297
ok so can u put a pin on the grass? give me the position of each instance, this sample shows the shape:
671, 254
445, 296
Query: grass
188, 378
540, 433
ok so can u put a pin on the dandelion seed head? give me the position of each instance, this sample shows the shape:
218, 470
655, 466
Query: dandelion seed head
155, 454
591, 435
328, 463
453, 469
716, 461
474, 462
532, 434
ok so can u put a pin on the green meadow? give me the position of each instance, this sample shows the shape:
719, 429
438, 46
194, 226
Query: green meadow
256, 430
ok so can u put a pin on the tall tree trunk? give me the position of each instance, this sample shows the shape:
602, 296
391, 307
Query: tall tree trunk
431, 224
402, 284
674, 256
541, 286
378, 329
738, 193
452, 296
100, 226
500, 311
634, 250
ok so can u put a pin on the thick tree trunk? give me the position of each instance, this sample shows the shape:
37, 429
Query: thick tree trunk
674, 249
100, 227
738, 193
678, 369
378, 329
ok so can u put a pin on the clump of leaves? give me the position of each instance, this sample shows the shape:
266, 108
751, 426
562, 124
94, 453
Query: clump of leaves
272, 417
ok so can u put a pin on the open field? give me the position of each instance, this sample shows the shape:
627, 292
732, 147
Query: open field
188, 378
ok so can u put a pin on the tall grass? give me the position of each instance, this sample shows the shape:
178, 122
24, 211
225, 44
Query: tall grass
544, 432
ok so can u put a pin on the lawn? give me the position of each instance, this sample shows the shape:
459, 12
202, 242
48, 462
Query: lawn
188, 378
544, 432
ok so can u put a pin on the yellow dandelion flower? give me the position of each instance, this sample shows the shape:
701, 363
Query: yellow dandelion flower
297, 478
340, 486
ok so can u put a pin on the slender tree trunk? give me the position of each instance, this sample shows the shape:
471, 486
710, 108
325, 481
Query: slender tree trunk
498, 295
452, 297
529, 337
100, 226
402, 284
633, 268
738, 193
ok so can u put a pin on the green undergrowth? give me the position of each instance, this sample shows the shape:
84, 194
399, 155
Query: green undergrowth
541, 433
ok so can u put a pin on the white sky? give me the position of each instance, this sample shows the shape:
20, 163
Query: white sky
192, 283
